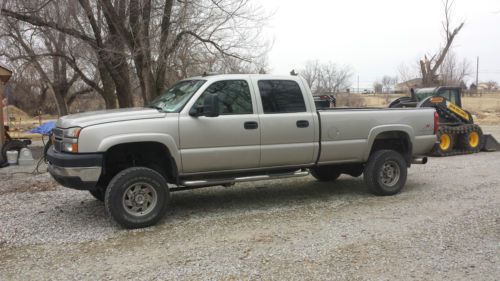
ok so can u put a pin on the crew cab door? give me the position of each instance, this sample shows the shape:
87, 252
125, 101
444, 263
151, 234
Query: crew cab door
227, 142
287, 124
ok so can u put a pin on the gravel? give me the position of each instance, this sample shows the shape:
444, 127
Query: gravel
445, 225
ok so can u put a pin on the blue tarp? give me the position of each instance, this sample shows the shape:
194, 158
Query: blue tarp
44, 129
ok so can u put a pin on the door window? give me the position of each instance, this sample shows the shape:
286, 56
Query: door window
281, 96
234, 97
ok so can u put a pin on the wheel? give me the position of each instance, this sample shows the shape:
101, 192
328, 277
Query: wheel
471, 140
446, 141
137, 197
99, 193
325, 173
385, 172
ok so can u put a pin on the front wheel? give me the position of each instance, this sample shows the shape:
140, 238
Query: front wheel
385, 173
137, 197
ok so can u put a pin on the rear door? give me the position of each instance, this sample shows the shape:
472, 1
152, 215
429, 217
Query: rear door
230, 141
287, 123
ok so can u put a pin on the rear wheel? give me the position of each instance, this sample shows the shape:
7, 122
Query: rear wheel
325, 173
385, 173
137, 197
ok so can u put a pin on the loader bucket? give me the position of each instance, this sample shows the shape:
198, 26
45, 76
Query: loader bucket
490, 143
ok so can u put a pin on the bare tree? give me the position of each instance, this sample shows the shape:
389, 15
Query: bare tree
326, 78
378, 87
142, 44
429, 67
452, 71
492, 85
388, 81
311, 73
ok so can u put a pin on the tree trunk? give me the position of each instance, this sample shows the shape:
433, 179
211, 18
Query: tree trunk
108, 87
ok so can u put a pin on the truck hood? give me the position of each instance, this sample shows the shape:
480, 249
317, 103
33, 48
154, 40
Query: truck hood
106, 116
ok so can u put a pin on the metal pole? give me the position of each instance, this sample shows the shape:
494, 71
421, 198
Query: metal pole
477, 74
358, 84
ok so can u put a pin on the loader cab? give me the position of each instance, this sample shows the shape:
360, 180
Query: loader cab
449, 93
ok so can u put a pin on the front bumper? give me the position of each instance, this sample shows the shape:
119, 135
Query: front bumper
78, 171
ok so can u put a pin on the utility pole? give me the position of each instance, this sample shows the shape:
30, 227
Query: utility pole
477, 73
358, 84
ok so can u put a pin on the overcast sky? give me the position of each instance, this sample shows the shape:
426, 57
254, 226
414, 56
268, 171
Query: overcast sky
375, 37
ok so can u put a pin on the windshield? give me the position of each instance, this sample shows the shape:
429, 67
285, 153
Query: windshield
174, 98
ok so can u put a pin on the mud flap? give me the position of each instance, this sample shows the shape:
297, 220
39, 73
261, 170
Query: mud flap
490, 143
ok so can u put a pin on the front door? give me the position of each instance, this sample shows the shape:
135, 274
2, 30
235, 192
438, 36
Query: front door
230, 141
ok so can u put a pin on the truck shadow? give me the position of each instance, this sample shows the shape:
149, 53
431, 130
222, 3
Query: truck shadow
264, 195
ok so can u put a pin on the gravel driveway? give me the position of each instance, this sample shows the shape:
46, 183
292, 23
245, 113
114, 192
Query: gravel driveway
445, 225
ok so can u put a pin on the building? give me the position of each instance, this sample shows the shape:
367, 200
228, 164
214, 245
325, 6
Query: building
405, 86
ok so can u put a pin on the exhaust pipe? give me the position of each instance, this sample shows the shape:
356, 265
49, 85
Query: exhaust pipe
422, 160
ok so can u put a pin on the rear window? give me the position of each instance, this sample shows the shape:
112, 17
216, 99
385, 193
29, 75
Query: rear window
281, 96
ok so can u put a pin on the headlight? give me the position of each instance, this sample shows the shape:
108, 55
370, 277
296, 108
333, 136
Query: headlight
70, 140
69, 147
72, 132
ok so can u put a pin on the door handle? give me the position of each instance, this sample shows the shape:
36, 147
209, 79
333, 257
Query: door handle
302, 124
251, 125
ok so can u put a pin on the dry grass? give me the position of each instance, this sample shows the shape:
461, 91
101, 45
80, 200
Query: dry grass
19, 122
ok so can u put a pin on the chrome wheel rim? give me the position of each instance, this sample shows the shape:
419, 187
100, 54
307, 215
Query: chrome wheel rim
390, 173
139, 199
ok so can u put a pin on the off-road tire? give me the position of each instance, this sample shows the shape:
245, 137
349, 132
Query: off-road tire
374, 172
115, 197
325, 173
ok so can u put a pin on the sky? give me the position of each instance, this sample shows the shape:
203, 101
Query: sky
375, 37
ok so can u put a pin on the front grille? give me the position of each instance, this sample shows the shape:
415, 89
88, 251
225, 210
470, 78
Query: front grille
58, 136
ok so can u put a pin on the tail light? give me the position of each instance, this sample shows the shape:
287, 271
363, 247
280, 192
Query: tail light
436, 122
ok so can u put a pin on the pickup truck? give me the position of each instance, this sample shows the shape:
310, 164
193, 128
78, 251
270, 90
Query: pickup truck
224, 129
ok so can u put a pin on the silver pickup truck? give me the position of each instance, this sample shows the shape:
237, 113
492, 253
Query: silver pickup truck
224, 129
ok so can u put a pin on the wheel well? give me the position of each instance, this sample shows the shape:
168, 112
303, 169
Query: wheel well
153, 155
394, 140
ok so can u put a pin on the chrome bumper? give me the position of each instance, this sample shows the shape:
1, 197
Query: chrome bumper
85, 174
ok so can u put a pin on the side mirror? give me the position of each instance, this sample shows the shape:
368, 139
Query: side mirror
210, 107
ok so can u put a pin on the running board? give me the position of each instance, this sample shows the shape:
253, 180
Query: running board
200, 183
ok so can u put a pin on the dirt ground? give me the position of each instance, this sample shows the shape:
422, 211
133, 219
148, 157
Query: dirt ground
445, 225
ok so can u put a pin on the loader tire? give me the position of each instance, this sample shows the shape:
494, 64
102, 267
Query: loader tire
472, 139
385, 172
446, 142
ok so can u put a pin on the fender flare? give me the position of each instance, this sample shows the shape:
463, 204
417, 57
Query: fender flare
164, 139
375, 131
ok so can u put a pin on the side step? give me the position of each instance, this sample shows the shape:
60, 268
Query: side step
228, 181
490, 143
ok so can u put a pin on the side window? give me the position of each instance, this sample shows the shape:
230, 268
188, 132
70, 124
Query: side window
449, 95
453, 94
281, 96
234, 96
